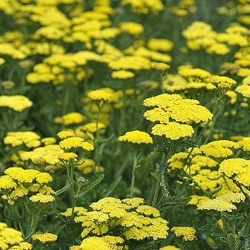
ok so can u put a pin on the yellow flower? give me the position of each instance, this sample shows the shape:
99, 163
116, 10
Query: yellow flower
217, 205
148, 211
43, 178
105, 95
27, 138
44, 237
194, 74
95, 243
122, 74
219, 149
70, 118
92, 127
231, 196
138, 222
136, 137
6, 182
9, 236
169, 248
65, 134
42, 198
48, 140
222, 82
173, 130
188, 233
2, 61
22, 175
234, 166
47, 154
160, 44
22, 246
68, 156
145, 6
16, 102
88, 166
130, 63
49, 32
77, 210
132, 28
75, 143
133, 202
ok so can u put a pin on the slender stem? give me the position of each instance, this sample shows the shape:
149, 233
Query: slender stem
157, 191
133, 174
72, 190
160, 180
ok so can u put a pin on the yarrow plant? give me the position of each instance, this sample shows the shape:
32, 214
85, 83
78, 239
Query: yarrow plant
118, 133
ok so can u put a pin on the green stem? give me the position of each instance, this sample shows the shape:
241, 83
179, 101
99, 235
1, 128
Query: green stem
135, 158
72, 190
97, 137
160, 180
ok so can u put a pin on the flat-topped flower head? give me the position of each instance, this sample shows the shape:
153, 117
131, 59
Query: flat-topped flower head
70, 118
170, 247
105, 95
135, 63
172, 107
173, 130
156, 44
65, 134
144, 6
68, 157
42, 198
43, 155
187, 233
75, 143
194, 74
28, 138
17, 103
136, 137
12, 238
7, 183
92, 127
44, 237
22, 175
122, 74
244, 144
217, 205
223, 83
132, 28
162, 101
234, 166
157, 115
219, 149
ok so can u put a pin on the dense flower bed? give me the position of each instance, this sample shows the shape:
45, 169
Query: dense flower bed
124, 124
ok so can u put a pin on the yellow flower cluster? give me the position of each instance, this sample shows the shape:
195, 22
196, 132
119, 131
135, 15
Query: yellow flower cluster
44, 237
175, 115
188, 79
244, 88
137, 220
18, 182
222, 82
106, 242
12, 239
17, 103
145, 6
47, 155
211, 168
188, 233
136, 137
70, 118
27, 138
